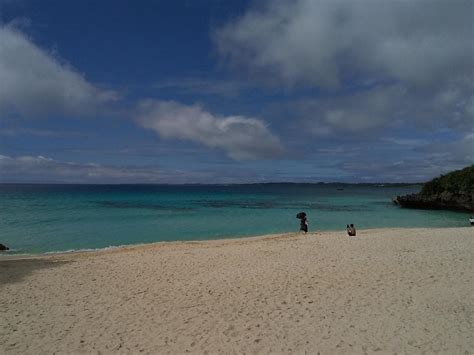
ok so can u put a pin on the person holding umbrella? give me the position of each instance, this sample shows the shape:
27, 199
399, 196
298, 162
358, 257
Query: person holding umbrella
304, 221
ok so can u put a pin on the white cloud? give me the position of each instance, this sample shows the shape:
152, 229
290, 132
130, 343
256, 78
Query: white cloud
368, 111
406, 142
35, 83
375, 63
240, 137
417, 160
40, 169
360, 112
460, 151
323, 42
43, 169
15, 132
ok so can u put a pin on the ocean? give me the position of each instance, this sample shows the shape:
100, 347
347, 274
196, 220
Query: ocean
52, 218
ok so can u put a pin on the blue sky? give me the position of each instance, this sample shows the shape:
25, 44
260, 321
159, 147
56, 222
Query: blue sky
212, 91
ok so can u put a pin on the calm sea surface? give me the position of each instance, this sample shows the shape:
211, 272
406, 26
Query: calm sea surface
49, 218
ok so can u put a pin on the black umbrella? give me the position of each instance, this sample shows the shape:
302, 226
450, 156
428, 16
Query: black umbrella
301, 215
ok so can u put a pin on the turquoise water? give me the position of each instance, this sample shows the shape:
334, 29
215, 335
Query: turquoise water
49, 218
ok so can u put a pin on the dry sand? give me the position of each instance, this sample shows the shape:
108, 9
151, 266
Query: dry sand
390, 290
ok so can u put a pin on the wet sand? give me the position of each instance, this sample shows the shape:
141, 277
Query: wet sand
388, 290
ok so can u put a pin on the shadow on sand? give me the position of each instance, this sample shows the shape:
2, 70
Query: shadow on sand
16, 270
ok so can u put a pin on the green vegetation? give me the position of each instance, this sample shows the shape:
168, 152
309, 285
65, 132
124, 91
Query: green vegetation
457, 182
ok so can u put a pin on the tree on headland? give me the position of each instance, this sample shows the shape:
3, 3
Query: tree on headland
458, 181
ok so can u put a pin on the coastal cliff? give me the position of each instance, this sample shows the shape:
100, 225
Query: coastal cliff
453, 191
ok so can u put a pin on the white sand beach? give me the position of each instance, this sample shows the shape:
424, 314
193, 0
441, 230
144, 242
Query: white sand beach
388, 290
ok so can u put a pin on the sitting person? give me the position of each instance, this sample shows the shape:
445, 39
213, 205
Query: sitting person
351, 231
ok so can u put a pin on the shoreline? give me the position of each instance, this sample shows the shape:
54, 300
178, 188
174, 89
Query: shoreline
130, 247
390, 290
126, 247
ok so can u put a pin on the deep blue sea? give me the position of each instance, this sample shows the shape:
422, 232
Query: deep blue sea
51, 218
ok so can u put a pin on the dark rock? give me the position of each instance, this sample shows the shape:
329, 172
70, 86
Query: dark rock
444, 200
4, 247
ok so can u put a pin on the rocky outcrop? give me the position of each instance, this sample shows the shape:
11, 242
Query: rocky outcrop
453, 191
4, 247
445, 200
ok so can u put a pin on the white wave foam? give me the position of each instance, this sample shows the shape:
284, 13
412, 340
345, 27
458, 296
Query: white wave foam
14, 253
87, 250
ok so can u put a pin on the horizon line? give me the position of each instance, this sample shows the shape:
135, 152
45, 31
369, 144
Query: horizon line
213, 184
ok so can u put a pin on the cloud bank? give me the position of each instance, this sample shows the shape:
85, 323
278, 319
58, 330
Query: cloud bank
374, 63
380, 108
46, 170
43, 169
325, 42
40, 169
34, 83
240, 137
393, 159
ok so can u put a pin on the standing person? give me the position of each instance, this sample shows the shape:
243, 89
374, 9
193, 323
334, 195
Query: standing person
304, 224
303, 221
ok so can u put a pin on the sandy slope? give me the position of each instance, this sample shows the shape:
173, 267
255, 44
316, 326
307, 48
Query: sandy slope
391, 290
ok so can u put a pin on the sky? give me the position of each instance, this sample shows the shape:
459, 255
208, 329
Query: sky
235, 91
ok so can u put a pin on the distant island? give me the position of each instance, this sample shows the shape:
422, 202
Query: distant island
453, 191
